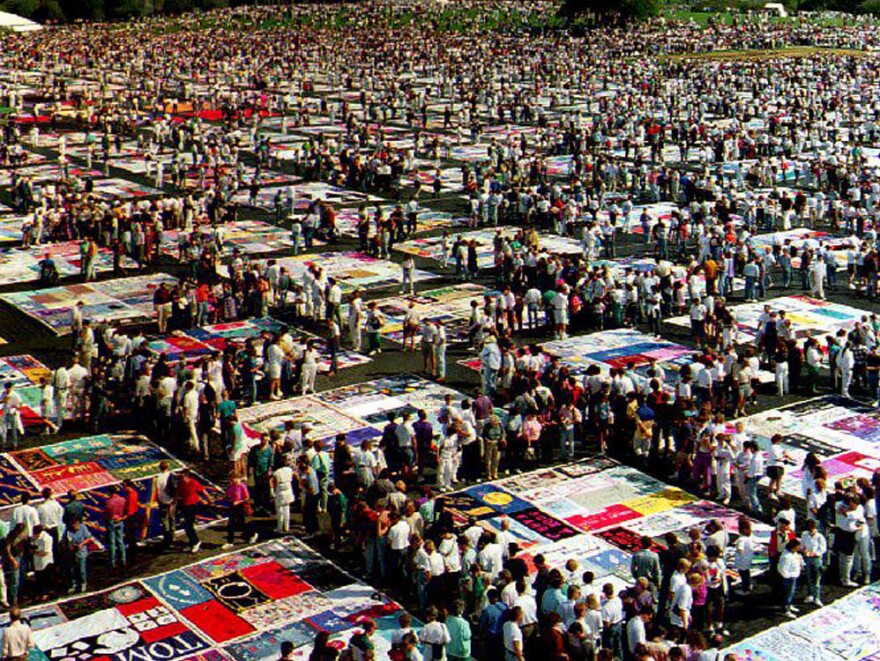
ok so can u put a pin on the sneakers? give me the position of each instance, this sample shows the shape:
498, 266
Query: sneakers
809, 600
253, 539
196, 547
794, 609
790, 614
850, 584
227, 546
818, 603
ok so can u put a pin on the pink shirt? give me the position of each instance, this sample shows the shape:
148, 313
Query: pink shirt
114, 508
237, 493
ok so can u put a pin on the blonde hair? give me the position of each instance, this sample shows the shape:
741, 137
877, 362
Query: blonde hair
593, 601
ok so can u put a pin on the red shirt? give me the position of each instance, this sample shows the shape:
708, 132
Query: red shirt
132, 502
114, 508
188, 491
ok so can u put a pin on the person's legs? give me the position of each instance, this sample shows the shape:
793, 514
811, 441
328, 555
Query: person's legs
789, 587
189, 525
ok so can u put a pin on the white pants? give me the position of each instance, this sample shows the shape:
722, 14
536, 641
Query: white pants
446, 472
354, 330
309, 373
846, 380
282, 513
781, 379
193, 434
722, 479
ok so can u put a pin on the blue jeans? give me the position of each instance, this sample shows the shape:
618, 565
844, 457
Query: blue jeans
566, 437
78, 570
752, 488
750, 288
116, 542
490, 377
789, 587
814, 577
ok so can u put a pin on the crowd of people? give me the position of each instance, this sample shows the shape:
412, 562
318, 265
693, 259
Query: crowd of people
693, 168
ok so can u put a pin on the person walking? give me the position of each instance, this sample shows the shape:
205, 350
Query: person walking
189, 496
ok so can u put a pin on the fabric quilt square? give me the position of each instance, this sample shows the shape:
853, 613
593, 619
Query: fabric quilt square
275, 581
216, 621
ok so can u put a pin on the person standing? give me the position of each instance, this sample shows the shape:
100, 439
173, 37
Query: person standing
439, 347
190, 411
512, 637
813, 547
355, 319
262, 459
18, 640
165, 490
189, 494
282, 488
790, 565
114, 517
78, 539
239, 503
374, 324
459, 647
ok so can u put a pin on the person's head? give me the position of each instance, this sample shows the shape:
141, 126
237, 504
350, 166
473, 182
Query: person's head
608, 590
811, 526
793, 546
369, 626
15, 614
516, 614
431, 614
593, 601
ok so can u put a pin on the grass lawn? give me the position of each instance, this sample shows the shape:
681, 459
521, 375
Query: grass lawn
789, 51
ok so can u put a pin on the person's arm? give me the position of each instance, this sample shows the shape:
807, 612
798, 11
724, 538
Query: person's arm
517, 650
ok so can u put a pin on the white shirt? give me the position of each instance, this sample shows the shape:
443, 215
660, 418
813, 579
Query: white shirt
813, 545
26, 514
682, 600
790, 564
50, 512
44, 546
398, 536
491, 559
511, 635
612, 610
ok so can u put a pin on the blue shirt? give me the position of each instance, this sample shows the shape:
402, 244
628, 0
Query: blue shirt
493, 618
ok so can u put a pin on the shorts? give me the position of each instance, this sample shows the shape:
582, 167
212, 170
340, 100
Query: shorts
775, 472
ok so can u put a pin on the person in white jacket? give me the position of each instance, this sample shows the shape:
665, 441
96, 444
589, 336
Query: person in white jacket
791, 563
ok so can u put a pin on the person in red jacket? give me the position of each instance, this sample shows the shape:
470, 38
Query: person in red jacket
189, 495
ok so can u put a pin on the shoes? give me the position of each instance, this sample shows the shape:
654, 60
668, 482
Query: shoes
253, 539
818, 603
83, 588
850, 584
809, 600
227, 546
794, 609
196, 547
724, 632
790, 615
